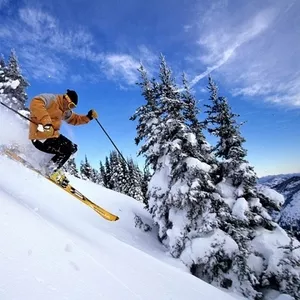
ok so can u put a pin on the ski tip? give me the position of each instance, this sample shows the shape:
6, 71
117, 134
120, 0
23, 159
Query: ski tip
116, 218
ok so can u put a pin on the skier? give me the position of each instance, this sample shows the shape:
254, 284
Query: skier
47, 112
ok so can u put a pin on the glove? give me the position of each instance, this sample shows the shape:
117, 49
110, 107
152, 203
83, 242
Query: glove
49, 130
92, 114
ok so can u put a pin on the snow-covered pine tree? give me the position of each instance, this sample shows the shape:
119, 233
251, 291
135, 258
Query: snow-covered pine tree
190, 113
229, 146
133, 179
183, 200
114, 168
16, 90
181, 194
148, 117
145, 181
71, 168
244, 215
124, 167
107, 178
118, 172
85, 169
102, 174
3, 80
2, 61
95, 176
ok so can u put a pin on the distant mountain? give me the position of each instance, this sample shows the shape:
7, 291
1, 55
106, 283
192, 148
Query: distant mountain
289, 186
272, 180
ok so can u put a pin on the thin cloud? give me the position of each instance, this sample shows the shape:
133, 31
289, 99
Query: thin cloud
3, 3
75, 78
50, 68
222, 46
5, 33
43, 45
43, 29
256, 50
121, 66
125, 66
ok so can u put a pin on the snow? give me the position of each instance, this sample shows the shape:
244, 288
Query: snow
16, 133
290, 215
256, 264
153, 121
284, 297
14, 84
194, 162
255, 202
180, 187
239, 192
161, 178
276, 197
275, 295
227, 191
201, 247
55, 247
178, 220
240, 208
192, 139
269, 242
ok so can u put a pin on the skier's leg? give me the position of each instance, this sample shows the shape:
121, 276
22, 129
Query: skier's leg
65, 149
62, 147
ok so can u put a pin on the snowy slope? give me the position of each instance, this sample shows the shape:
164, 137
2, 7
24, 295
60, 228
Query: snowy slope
290, 213
289, 186
54, 247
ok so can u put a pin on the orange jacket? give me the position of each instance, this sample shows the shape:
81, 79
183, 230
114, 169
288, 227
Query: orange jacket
50, 109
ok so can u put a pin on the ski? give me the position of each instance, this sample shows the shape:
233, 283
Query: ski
69, 188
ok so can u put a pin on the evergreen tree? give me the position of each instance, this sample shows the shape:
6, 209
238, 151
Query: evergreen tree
190, 113
2, 61
16, 89
118, 172
107, 177
233, 165
123, 175
145, 181
187, 188
148, 116
180, 190
102, 175
85, 169
95, 176
4, 81
218, 226
133, 182
71, 167
245, 216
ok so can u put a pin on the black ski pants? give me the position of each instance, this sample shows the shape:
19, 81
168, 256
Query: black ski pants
62, 147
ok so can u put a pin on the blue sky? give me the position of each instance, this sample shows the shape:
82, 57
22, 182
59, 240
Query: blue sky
251, 48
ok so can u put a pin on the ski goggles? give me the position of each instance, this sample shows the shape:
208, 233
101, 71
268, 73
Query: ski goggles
71, 104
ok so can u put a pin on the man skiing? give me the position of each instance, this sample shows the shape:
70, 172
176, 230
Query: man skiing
47, 112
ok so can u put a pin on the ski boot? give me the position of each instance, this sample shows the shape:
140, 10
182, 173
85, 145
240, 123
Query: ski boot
60, 178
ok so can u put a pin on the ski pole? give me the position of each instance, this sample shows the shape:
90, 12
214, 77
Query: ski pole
112, 141
15, 111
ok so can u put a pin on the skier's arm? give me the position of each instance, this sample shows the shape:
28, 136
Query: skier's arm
75, 119
38, 110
